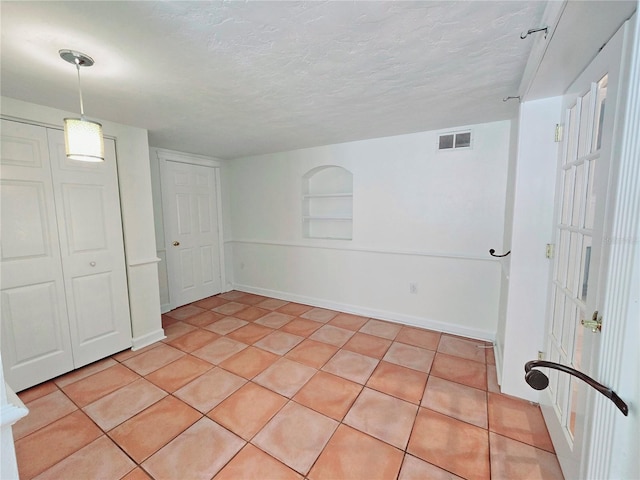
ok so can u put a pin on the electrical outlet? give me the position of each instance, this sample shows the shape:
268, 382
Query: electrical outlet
413, 288
540, 355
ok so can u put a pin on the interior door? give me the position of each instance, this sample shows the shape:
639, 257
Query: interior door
36, 344
577, 284
190, 205
92, 251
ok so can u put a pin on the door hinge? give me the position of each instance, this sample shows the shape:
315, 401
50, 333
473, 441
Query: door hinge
550, 250
595, 324
558, 133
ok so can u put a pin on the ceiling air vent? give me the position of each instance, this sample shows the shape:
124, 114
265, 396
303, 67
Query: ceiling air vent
455, 140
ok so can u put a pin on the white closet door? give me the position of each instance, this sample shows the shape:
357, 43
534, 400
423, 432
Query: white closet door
190, 204
92, 248
35, 334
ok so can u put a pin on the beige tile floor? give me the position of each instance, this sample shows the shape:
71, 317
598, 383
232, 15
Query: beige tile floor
248, 387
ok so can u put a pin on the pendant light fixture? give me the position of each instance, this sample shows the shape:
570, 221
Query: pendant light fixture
82, 138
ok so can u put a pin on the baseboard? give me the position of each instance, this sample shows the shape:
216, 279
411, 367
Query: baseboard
165, 307
498, 354
394, 317
140, 342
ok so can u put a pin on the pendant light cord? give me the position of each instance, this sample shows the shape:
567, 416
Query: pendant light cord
80, 89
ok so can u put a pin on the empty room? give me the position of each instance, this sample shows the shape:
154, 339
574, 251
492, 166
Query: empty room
319, 240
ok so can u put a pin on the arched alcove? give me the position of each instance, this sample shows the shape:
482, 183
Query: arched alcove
327, 203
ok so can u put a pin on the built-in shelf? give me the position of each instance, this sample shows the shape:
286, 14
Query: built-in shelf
327, 203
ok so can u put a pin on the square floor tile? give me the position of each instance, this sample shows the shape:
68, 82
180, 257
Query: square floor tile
410, 356
460, 370
43, 411
34, 452
177, 374
210, 302
513, 459
352, 366
312, 353
249, 362
381, 329
113, 409
519, 420
176, 330
348, 321
332, 335
301, 327
229, 309
272, 303
158, 357
89, 389
275, 320
248, 410
208, 390
148, 431
368, 345
295, 309
382, 416
319, 315
327, 394
296, 436
455, 446
219, 350
251, 314
99, 459
197, 453
419, 337
226, 325
253, 464
285, 377
462, 347
38, 391
456, 400
415, 469
250, 333
185, 312
232, 295
203, 319
193, 340
352, 455
86, 371
137, 474
129, 353
279, 342
399, 381
490, 357
251, 299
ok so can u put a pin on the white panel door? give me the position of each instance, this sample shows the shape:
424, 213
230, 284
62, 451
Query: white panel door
190, 205
35, 336
92, 248
577, 285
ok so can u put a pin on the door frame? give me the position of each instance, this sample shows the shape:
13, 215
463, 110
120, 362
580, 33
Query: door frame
609, 447
164, 156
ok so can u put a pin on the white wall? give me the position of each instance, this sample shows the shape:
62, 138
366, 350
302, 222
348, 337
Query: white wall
529, 270
419, 216
134, 179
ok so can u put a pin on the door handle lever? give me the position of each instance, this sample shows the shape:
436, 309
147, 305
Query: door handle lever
539, 381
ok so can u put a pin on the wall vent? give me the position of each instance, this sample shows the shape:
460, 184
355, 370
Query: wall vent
454, 140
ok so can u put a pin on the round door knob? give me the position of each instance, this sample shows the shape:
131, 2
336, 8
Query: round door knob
176, 243
93, 264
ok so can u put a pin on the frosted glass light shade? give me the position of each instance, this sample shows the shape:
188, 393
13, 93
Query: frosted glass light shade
83, 140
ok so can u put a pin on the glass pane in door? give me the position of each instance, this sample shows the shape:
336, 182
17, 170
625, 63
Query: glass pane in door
598, 120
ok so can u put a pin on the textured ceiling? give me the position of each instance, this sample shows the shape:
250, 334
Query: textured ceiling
232, 79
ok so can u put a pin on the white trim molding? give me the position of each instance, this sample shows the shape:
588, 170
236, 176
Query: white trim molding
416, 253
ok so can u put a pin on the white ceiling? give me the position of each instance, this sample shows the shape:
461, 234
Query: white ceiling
231, 79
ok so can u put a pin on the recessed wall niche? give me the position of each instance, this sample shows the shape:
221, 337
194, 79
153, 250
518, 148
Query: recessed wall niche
327, 203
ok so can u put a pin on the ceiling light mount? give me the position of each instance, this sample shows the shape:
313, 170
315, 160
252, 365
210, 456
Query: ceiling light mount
76, 58
82, 138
